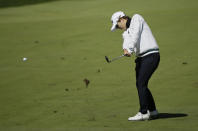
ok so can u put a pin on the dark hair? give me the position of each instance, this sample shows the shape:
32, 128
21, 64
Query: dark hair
126, 17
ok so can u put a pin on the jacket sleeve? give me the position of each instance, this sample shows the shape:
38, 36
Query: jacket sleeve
131, 36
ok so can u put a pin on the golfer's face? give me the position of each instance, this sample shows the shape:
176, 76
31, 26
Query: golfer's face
121, 24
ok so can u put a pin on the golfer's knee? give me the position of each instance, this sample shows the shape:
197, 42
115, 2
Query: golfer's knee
141, 84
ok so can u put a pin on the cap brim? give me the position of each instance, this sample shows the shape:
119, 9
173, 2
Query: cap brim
113, 28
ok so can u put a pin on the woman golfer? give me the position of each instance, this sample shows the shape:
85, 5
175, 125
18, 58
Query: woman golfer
138, 39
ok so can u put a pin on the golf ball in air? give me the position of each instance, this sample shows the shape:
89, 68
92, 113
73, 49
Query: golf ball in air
24, 59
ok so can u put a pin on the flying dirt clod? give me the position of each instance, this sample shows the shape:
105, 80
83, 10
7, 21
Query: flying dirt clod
86, 82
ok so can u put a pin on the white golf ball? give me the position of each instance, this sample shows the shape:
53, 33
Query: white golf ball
24, 58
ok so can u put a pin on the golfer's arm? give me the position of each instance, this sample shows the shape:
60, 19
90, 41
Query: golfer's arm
134, 32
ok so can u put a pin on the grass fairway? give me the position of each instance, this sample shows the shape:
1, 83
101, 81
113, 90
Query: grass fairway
65, 41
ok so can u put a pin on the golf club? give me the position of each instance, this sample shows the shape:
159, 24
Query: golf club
116, 58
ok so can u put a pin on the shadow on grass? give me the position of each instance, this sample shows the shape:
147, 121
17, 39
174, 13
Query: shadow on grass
13, 3
170, 115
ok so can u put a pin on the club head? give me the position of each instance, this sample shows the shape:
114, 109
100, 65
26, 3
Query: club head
107, 59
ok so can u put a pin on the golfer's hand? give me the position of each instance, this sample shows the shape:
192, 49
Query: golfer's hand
126, 53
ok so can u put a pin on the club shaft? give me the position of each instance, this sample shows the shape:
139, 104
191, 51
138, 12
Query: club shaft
116, 58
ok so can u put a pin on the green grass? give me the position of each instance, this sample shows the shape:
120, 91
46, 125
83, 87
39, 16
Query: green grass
66, 41
13, 3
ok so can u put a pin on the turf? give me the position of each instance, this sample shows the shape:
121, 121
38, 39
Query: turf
65, 42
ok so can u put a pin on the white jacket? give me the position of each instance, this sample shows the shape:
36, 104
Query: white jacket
138, 38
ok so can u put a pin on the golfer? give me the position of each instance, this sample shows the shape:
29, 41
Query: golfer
139, 40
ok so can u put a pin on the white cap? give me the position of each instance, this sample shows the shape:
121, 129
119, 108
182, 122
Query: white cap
114, 19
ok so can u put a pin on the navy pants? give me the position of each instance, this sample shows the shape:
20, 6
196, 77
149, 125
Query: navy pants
145, 66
